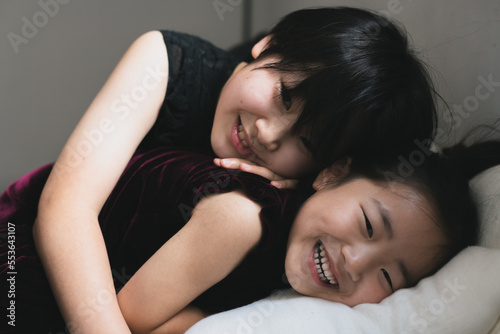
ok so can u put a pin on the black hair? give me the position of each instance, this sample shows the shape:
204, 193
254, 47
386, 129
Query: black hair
443, 180
363, 92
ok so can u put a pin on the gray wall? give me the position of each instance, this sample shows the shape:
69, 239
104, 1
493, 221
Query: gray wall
48, 80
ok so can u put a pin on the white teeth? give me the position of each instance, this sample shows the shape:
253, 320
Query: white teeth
241, 135
323, 266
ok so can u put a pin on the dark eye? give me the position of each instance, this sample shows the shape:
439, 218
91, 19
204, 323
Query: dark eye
307, 143
285, 97
388, 278
369, 227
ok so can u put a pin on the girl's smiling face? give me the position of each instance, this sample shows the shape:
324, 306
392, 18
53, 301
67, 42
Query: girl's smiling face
254, 120
361, 241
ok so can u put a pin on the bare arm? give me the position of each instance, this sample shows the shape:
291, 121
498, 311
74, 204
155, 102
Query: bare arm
181, 322
67, 234
203, 252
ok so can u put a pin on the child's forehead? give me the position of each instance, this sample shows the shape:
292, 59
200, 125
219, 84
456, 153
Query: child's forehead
413, 212
296, 70
391, 195
399, 187
403, 192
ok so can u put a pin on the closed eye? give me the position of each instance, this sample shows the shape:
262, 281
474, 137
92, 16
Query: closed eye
369, 227
388, 278
306, 143
285, 96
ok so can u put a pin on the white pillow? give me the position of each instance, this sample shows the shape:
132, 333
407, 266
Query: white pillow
463, 297
486, 187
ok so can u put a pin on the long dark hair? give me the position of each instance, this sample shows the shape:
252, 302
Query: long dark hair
364, 91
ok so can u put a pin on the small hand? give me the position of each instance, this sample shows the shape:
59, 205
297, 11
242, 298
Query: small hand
247, 166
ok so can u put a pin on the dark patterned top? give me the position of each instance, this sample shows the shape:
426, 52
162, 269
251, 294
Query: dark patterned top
197, 72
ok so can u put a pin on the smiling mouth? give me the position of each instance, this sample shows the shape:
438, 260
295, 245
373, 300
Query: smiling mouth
323, 265
241, 134
239, 140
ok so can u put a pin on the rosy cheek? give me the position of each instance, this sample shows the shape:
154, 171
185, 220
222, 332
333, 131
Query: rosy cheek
376, 295
369, 293
292, 155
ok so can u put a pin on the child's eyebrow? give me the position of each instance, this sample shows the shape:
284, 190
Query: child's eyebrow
386, 217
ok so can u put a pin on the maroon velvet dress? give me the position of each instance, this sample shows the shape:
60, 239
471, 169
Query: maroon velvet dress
152, 200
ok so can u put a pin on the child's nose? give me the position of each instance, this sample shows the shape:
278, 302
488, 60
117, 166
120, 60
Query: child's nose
358, 258
270, 131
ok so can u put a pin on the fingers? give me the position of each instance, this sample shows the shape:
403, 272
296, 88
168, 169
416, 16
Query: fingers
259, 170
232, 163
285, 184
246, 166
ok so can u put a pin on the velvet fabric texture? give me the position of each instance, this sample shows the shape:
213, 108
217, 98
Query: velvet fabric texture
151, 201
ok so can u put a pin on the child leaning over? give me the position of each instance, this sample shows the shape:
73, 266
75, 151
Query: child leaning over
326, 83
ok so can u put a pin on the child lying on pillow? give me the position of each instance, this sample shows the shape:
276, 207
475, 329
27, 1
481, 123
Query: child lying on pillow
368, 231
451, 301
317, 81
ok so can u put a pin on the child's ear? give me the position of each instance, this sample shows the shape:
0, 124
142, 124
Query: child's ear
333, 174
260, 46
